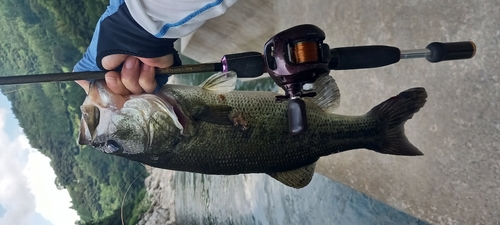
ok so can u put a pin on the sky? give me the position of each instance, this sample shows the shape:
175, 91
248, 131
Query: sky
28, 195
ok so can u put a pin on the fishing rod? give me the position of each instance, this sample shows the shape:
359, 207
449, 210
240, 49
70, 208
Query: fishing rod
292, 58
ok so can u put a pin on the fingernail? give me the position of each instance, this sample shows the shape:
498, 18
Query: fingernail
111, 81
130, 62
146, 67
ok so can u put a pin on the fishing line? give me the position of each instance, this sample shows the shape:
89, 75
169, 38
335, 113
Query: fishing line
305, 51
125, 195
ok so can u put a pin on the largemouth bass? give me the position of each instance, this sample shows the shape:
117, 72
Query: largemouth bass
214, 129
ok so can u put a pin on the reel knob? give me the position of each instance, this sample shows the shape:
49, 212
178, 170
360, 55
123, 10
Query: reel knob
297, 118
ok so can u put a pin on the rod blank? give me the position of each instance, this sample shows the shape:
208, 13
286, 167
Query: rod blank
94, 75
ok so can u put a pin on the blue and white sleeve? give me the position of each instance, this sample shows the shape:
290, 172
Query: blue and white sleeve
147, 28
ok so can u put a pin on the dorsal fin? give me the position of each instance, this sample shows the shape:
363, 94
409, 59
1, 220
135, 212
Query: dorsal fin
297, 178
220, 82
327, 93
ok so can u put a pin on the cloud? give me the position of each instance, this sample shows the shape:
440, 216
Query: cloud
27, 188
15, 196
53, 204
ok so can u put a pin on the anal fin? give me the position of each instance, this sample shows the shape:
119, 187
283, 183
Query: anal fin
297, 178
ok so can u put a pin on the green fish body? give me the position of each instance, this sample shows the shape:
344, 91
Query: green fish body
213, 129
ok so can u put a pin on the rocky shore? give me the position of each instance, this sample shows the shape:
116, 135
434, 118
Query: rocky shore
159, 185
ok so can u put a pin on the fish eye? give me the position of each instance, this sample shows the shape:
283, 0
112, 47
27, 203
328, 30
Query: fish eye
112, 147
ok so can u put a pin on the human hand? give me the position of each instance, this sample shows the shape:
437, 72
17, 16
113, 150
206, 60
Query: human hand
137, 74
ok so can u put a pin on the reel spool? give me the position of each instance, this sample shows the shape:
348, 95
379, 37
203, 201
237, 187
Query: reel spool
293, 58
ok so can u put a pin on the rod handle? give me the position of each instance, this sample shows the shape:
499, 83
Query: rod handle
246, 64
450, 51
361, 57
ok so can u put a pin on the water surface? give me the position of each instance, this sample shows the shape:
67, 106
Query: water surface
259, 199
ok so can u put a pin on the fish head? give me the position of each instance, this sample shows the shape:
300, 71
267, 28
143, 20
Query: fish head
132, 126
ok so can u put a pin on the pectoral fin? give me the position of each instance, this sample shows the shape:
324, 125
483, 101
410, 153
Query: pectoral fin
297, 178
216, 114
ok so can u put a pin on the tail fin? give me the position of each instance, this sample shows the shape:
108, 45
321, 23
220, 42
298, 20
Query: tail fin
394, 112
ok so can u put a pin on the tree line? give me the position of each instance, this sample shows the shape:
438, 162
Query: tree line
47, 36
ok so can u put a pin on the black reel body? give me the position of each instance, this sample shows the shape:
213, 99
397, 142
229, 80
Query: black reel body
293, 58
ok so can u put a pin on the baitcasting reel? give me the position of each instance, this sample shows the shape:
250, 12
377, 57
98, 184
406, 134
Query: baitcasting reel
293, 58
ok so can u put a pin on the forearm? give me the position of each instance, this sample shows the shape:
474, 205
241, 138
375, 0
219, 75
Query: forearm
175, 18
146, 28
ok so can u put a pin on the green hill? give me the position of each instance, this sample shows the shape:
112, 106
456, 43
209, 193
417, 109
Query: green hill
43, 36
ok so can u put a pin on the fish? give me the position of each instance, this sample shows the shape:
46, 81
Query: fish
214, 129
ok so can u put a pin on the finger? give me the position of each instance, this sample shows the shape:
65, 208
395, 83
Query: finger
160, 62
112, 61
147, 78
114, 83
130, 75
84, 84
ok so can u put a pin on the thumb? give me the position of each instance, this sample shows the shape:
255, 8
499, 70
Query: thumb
112, 61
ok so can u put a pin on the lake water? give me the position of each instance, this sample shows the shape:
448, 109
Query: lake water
259, 199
